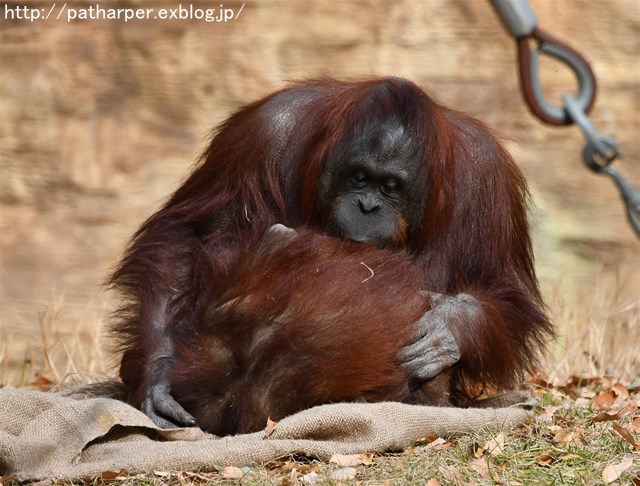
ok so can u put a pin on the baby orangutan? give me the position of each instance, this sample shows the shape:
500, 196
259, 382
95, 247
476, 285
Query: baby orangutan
278, 341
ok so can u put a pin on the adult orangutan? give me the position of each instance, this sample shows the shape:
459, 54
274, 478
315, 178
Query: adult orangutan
376, 162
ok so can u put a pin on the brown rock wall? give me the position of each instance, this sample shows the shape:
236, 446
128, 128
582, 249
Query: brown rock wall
101, 119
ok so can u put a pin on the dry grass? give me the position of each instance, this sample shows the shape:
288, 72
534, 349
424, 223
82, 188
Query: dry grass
52, 349
599, 329
598, 335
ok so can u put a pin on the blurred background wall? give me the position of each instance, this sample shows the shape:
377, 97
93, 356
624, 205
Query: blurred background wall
100, 120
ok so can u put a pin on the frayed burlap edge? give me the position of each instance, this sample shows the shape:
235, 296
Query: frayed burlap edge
83, 433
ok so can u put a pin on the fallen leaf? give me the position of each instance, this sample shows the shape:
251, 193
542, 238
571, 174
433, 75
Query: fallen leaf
275, 466
121, 474
347, 460
547, 415
613, 471
279, 467
444, 445
626, 435
563, 420
545, 459
344, 473
291, 479
583, 402
194, 475
352, 459
621, 391
481, 467
496, 445
108, 475
587, 393
564, 436
583, 381
162, 474
271, 426
42, 383
628, 409
635, 425
434, 443
606, 417
623, 412
367, 459
305, 468
432, 482
604, 400
450, 473
232, 472
310, 478
541, 382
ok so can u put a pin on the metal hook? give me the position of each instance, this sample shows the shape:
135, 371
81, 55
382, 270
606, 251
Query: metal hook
598, 153
529, 77
586, 82
605, 147
630, 196
600, 150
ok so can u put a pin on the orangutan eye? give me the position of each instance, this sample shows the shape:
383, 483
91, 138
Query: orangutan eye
360, 178
391, 186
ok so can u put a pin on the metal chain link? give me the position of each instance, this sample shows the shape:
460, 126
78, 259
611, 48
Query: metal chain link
600, 150
598, 154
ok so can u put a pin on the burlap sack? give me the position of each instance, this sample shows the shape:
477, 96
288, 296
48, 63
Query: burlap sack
50, 435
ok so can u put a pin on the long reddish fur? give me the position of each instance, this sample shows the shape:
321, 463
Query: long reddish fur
314, 321
263, 166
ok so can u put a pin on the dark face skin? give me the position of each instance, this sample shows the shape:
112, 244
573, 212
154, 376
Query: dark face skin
372, 189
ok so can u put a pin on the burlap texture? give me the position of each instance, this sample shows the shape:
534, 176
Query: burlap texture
49, 435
